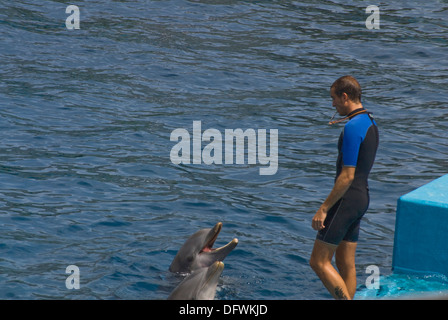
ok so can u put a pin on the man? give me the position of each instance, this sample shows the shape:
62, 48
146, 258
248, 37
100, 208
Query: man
338, 218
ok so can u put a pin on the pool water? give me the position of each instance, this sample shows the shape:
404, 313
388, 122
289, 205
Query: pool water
406, 286
86, 117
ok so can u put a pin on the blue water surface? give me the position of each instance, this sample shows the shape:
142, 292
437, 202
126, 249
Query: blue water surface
86, 117
405, 286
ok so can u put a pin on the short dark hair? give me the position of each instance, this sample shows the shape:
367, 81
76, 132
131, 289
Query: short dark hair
350, 86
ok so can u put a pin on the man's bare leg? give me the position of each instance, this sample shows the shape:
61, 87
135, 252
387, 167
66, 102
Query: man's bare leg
345, 261
320, 262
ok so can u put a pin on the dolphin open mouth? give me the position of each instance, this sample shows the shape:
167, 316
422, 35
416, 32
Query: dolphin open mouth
211, 238
198, 252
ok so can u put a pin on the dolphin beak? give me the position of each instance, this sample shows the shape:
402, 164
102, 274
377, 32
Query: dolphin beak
228, 247
214, 271
211, 238
218, 266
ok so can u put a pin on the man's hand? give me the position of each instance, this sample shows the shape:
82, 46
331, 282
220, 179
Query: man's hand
343, 182
318, 219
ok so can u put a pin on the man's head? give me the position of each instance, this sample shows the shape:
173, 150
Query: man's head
346, 94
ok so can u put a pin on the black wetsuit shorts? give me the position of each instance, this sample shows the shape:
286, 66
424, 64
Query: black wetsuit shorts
344, 218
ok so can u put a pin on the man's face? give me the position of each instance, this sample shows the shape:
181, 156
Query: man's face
339, 103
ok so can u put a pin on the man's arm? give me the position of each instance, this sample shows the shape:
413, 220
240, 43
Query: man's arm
340, 187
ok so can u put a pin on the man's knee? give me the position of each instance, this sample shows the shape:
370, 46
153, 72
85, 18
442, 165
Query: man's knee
313, 263
321, 256
316, 264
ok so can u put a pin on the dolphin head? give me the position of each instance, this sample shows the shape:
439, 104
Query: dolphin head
199, 285
198, 252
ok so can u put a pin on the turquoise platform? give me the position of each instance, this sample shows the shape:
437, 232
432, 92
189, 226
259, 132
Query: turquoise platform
421, 230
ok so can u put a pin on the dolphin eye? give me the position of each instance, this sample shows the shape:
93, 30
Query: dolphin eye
190, 258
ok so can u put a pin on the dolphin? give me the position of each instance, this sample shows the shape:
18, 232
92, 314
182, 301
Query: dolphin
199, 285
197, 251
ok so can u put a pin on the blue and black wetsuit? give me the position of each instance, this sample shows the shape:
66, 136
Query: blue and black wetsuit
357, 147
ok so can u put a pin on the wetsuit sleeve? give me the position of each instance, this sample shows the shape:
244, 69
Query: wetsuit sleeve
350, 145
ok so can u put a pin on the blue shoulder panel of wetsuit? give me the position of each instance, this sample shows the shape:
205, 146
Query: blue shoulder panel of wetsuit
354, 133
